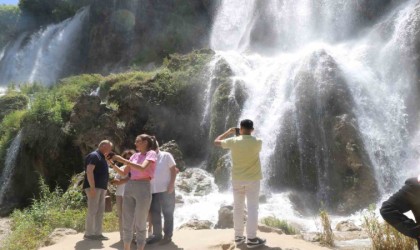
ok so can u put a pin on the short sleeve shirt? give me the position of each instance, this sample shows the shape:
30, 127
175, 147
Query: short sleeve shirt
162, 177
245, 152
100, 172
139, 158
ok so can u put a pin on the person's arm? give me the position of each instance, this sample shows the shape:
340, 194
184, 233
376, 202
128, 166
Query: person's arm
220, 138
120, 171
171, 186
133, 165
120, 181
91, 179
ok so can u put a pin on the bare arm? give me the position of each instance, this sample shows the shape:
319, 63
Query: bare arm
120, 171
220, 138
130, 164
171, 186
91, 179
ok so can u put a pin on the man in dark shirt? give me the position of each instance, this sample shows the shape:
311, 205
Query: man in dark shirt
406, 199
95, 185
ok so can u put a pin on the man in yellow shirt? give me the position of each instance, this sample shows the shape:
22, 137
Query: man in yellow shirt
246, 176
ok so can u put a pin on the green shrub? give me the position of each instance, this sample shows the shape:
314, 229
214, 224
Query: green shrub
52, 209
383, 236
9, 127
272, 221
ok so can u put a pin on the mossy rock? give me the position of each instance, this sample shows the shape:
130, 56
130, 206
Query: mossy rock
173, 148
222, 174
11, 102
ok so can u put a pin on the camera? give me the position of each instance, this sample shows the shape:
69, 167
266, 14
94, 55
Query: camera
110, 155
237, 132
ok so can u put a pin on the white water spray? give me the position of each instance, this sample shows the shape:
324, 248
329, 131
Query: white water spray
42, 57
9, 166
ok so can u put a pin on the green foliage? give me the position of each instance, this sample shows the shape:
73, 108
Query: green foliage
9, 127
272, 221
12, 101
383, 236
327, 235
31, 226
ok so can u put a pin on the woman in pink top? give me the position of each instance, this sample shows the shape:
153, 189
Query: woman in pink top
137, 194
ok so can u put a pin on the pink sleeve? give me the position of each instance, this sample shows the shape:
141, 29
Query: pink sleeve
133, 157
151, 156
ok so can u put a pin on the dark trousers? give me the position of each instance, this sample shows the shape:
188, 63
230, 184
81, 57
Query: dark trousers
163, 203
406, 199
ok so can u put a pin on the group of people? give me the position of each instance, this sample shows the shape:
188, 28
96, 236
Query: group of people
146, 182
145, 189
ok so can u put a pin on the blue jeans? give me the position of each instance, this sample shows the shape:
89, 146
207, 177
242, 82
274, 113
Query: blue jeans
163, 203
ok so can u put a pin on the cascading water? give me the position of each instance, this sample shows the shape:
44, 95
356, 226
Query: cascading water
272, 45
9, 166
42, 57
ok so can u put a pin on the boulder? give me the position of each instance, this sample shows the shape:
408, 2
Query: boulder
225, 217
57, 234
347, 226
195, 224
179, 199
267, 229
312, 237
195, 181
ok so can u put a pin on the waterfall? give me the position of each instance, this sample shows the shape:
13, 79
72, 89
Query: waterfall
9, 166
288, 52
43, 56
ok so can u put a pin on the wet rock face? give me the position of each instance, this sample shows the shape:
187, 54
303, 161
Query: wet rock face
319, 150
228, 99
144, 31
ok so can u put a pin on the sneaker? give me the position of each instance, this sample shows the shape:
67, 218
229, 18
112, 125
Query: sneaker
101, 237
239, 240
153, 239
256, 242
89, 237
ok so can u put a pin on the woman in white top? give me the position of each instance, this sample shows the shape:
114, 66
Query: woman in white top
120, 182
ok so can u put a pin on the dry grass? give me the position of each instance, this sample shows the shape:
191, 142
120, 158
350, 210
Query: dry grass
383, 236
327, 235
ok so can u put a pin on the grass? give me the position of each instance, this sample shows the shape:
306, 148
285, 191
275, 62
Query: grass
53, 209
383, 236
272, 221
327, 235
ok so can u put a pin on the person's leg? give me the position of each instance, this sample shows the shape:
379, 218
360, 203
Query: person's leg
156, 211
143, 200
238, 207
91, 213
101, 209
119, 200
168, 209
252, 199
128, 208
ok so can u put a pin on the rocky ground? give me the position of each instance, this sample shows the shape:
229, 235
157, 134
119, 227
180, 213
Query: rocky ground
4, 228
189, 240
